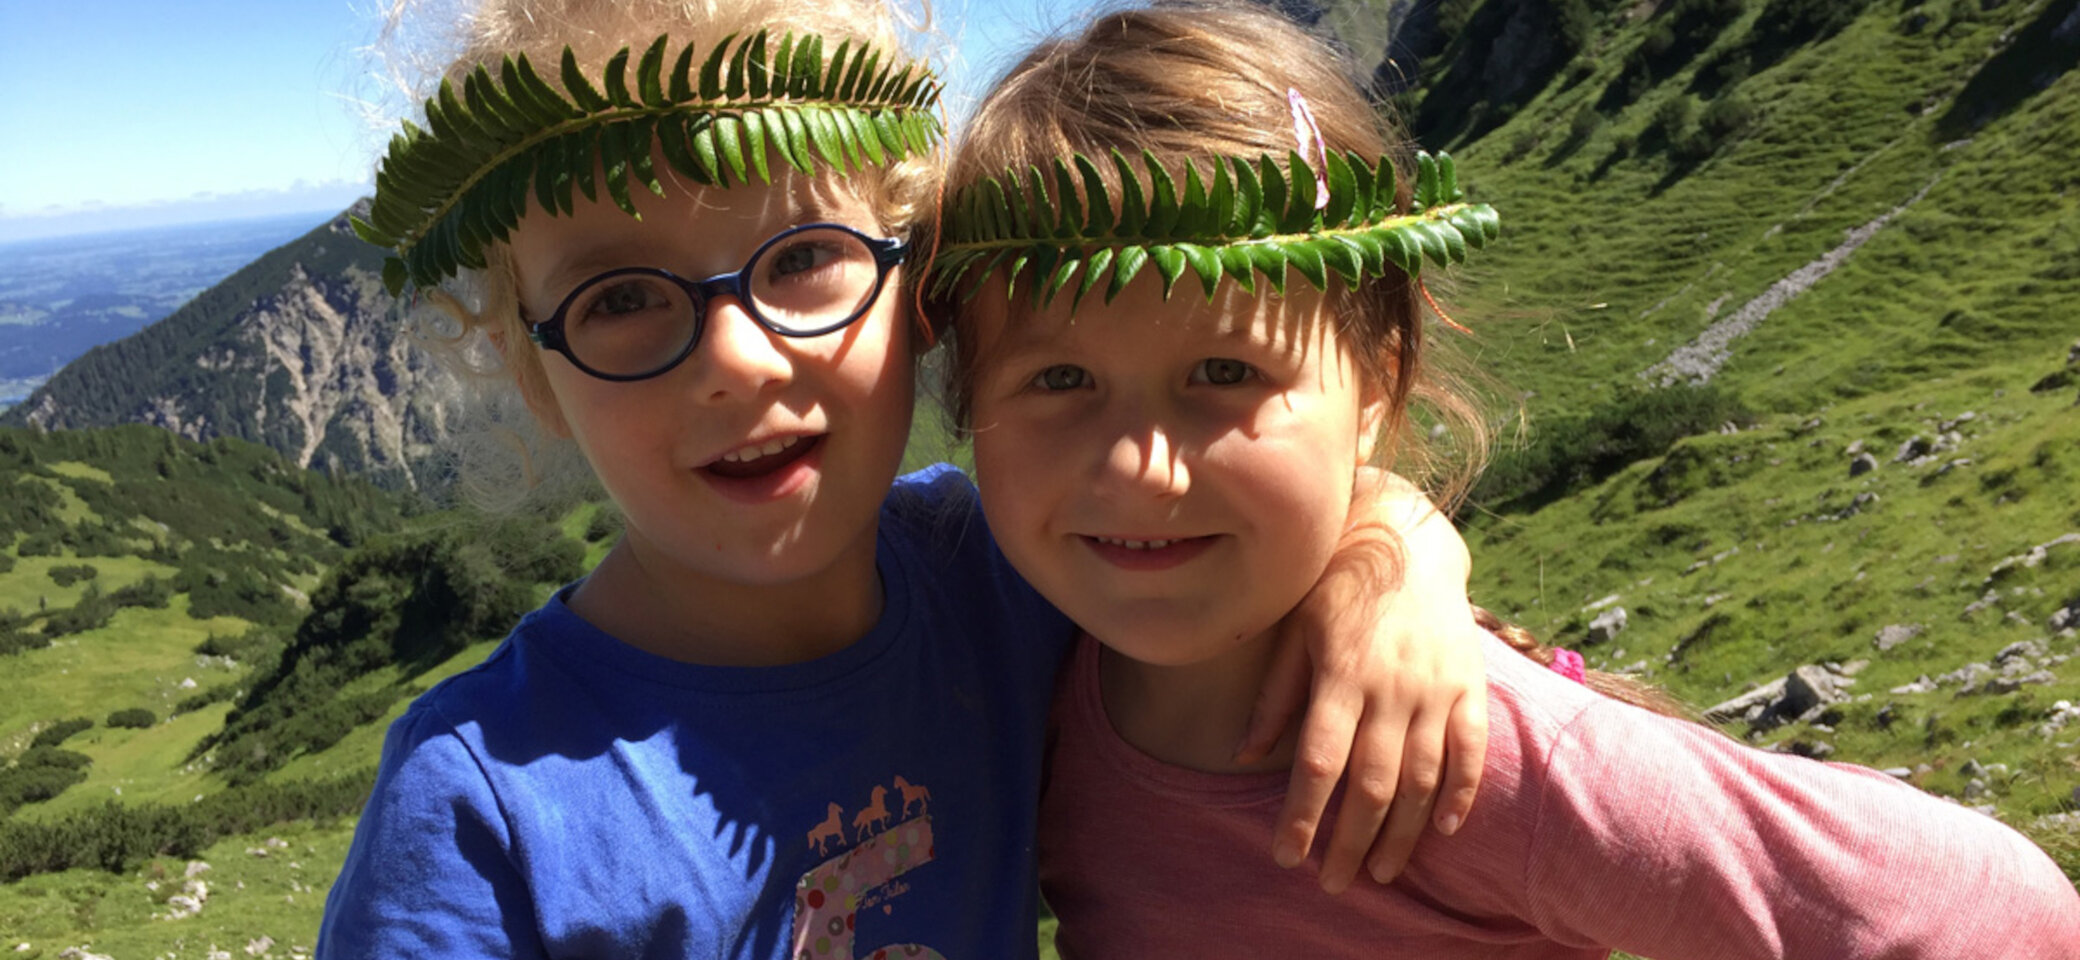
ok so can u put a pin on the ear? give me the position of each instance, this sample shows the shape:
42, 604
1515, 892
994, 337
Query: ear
1372, 418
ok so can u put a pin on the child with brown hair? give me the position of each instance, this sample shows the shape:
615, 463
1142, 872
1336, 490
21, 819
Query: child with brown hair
1173, 470
798, 708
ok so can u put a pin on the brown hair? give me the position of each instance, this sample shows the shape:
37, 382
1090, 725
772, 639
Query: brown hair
1201, 79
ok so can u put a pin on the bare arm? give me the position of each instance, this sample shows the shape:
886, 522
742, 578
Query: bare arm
1382, 654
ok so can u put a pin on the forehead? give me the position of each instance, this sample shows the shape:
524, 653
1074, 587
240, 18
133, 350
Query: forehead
692, 229
1010, 325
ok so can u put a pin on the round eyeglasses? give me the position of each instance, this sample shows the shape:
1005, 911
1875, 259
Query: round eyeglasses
638, 322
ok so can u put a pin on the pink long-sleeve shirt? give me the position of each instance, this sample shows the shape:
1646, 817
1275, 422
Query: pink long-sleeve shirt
1599, 826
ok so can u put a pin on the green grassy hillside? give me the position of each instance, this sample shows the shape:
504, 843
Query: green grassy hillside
1793, 247
203, 645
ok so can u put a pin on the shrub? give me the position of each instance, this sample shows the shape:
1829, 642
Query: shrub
136, 718
1672, 118
92, 612
253, 645
116, 837
1631, 426
605, 522
1728, 115
222, 585
153, 592
40, 773
1521, 145
67, 574
1586, 122
58, 732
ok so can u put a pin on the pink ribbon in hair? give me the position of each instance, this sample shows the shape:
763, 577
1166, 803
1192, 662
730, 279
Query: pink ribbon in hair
1313, 148
1569, 664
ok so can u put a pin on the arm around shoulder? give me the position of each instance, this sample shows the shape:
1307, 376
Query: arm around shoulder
431, 871
1668, 839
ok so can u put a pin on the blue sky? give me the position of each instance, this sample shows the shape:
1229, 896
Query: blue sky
125, 113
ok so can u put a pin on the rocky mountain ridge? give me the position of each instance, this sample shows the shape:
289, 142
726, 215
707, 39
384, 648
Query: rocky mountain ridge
298, 351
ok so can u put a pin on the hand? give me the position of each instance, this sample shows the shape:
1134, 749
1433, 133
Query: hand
1397, 694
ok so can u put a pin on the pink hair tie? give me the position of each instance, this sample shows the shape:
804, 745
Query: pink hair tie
1314, 148
1568, 663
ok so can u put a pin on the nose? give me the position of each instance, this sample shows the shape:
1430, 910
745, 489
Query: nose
1143, 460
737, 358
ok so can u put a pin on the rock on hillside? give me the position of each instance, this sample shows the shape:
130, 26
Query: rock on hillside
296, 351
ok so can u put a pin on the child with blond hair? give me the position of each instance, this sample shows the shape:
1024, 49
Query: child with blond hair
798, 708
1186, 316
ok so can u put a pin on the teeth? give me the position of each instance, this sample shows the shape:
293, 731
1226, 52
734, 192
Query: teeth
756, 451
1136, 544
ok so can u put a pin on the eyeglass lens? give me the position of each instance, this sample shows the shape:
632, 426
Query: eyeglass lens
633, 323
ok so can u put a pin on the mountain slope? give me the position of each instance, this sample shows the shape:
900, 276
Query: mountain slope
296, 351
1804, 234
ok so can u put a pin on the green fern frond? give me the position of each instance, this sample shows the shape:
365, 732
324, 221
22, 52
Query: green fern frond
446, 191
1251, 219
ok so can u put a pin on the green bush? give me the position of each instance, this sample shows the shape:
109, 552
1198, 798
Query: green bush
57, 733
136, 718
1728, 115
252, 646
1570, 454
221, 584
605, 522
116, 837
40, 773
153, 592
409, 599
67, 574
92, 612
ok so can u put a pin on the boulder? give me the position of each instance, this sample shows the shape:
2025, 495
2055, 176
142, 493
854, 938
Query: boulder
1895, 634
1807, 688
1862, 464
1607, 625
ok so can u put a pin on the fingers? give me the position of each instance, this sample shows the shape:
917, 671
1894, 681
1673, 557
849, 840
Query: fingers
1282, 695
1318, 762
1424, 758
1466, 755
1374, 785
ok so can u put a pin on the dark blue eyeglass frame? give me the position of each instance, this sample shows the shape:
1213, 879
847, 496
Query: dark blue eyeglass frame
888, 252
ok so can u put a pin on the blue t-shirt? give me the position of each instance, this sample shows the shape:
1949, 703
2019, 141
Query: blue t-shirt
574, 796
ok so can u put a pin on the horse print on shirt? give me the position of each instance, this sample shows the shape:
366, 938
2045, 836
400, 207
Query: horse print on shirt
828, 899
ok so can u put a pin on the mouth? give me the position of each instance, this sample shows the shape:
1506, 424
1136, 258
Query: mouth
759, 459
1147, 553
766, 472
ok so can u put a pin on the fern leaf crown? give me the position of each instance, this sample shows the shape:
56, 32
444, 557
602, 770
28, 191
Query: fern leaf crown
750, 106
1239, 219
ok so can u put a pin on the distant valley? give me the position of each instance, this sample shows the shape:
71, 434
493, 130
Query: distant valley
62, 296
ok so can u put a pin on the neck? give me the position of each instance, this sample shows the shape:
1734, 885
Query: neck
638, 595
1193, 715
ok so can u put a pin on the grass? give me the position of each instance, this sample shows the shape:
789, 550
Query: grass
28, 588
1731, 572
280, 895
138, 660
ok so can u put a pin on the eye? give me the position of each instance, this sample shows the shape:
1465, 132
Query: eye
800, 258
621, 298
1062, 377
1222, 372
